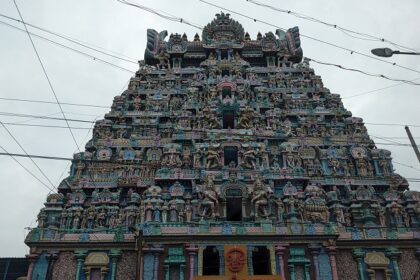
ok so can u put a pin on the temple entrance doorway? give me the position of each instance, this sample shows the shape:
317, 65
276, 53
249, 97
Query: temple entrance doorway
228, 119
230, 155
234, 205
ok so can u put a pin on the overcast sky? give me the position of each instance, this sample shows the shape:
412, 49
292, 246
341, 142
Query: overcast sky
120, 28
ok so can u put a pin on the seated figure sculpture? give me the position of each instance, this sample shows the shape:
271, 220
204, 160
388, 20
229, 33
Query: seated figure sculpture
260, 199
209, 205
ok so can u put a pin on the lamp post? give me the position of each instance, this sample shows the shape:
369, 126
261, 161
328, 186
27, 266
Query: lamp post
387, 52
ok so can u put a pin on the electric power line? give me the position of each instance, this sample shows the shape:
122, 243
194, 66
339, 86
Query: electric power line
46, 75
46, 126
160, 13
406, 165
334, 26
376, 90
91, 121
70, 48
26, 169
41, 117
181, 20
51, 102
363, 72
76, 41
23, 149
392, 124
312, 38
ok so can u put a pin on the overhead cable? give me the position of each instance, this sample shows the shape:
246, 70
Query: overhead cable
311, 38
41, 117
51, 102
46, 76
162, 14
70, 48
44, 125
77, 42
353, 34
406, 165
25, 168
363, 72
26, 153
378, 89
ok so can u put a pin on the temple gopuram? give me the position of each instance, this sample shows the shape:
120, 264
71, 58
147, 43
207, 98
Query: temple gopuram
227, 158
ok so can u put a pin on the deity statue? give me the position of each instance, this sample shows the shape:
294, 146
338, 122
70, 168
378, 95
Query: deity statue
251, 156
63, 218
165, 209
335, 165
246, 118
188, 212
101, 218
346, 168
260, 199
381, 216
383, 165
69, 219
173, 213
348, 218
210, 120
209, 204
121, 217
181, 215
280, 209
112, 220
76, 219
407, 220
396, 213
361, 167
338, 215
42, 216
316, 210
148, 212
156, 214
91, 215
83, 223
286, 126
212, 158
163, 58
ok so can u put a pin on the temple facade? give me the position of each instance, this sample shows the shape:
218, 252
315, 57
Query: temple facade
227, 158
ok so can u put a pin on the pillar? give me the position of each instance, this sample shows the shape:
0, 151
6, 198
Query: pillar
32, 259
393, 254
52, 257
152, 254
80, 258
280, 252
332, 251
250, 250
114, 256
221, 251
358, 255
315, 249
192, 251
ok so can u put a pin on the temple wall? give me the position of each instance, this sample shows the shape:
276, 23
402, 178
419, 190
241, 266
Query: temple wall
409, 264
126, 267
346, 266
64, 267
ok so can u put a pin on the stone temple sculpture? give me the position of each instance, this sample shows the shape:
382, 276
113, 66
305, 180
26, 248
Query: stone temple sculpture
227, 158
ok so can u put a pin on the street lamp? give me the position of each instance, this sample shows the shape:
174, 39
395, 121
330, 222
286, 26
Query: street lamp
387, 52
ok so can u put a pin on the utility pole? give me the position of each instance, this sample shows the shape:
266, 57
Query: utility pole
413, 143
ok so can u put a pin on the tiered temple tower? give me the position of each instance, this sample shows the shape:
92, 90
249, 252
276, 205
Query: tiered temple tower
227, 158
